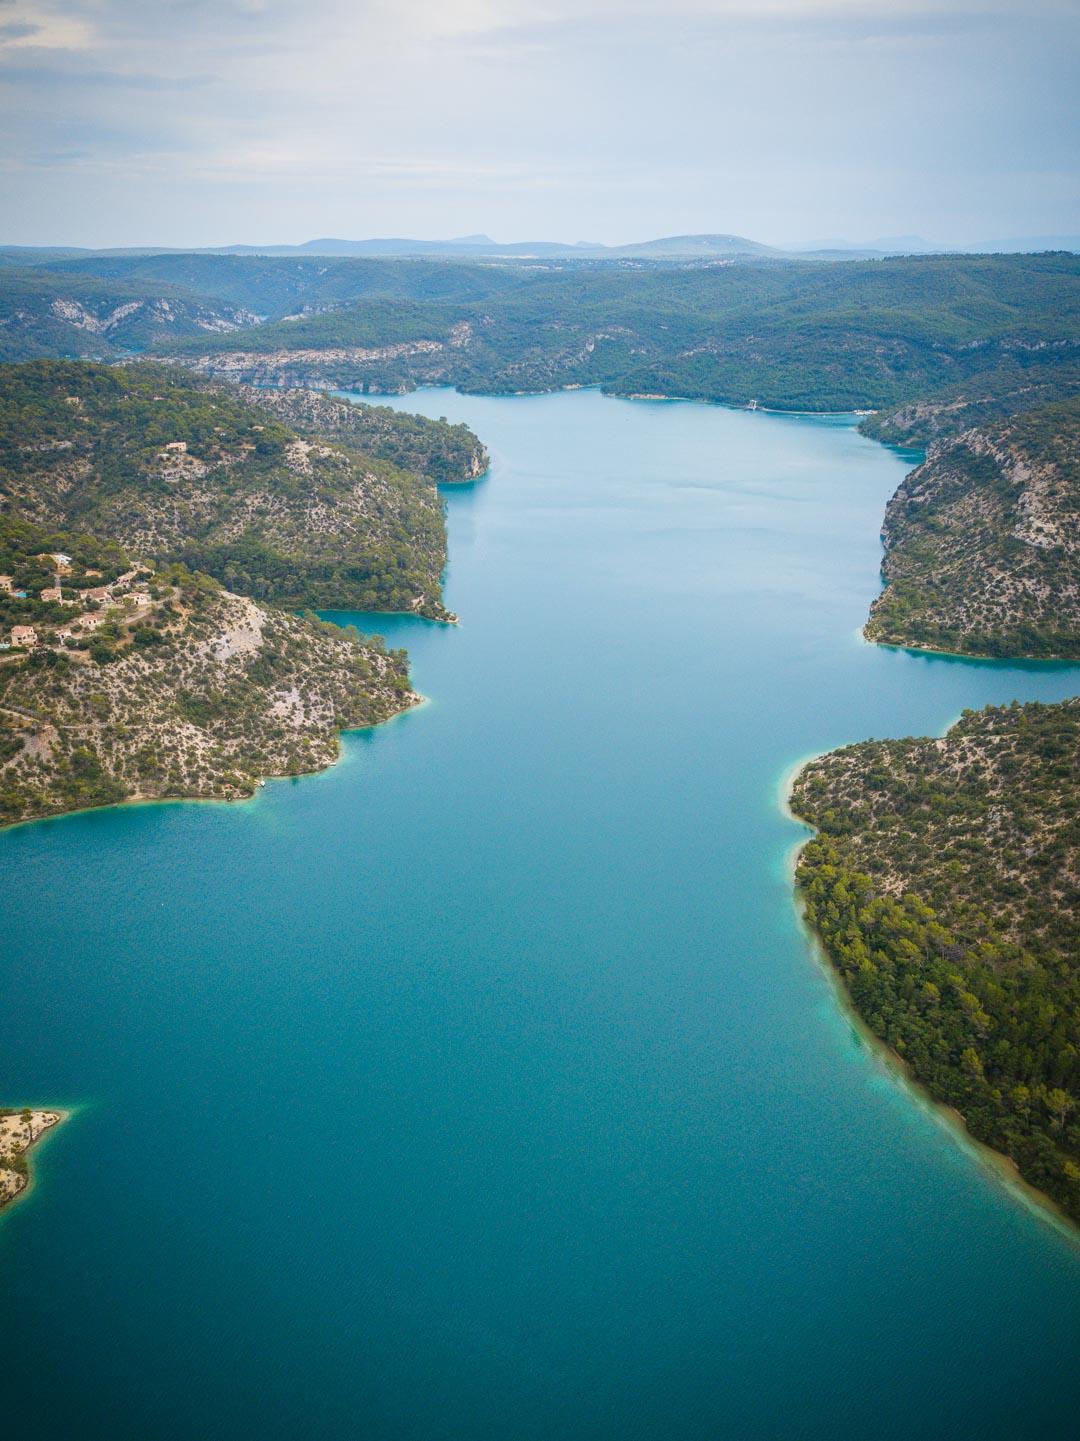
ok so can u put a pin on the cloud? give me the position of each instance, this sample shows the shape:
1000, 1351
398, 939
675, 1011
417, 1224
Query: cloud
602, 117
37, 26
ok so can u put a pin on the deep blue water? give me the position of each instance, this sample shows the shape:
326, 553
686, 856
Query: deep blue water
485, 1086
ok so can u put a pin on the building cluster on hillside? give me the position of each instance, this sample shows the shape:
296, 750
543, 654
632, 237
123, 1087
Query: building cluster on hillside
128, 590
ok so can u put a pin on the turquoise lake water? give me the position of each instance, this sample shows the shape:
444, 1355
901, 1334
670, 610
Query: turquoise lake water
485, 1085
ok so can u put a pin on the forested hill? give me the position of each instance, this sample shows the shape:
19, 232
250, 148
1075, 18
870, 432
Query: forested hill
56, 316
170, 469
1027, 379
982, 542
796, 335
793, 336
941, 346
944, 885
446, 454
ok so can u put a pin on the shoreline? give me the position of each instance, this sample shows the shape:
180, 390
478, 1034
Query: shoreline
17, 1184
857, 413
1002, 1168
915, 649
130, 802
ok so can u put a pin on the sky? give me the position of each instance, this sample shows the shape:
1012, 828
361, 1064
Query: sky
206, 122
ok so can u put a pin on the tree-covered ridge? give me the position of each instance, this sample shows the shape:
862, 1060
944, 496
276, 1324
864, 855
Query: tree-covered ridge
944, 883
982, 542
1027, 380
792, 336
192, 692
444, 453
280, 287
171, 469
56, 316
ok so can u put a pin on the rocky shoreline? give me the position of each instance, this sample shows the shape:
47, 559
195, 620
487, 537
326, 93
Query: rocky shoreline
20, 1130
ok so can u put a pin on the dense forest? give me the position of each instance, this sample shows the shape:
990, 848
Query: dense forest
943, 882
792, 336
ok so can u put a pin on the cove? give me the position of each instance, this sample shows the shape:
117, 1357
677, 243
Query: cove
485, 1085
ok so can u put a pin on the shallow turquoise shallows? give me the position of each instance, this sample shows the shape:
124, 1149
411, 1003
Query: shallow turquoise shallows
485, 1086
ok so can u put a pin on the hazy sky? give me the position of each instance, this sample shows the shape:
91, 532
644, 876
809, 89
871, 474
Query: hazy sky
211, 121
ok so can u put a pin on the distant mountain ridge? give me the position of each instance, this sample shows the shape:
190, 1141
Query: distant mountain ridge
705, 247
672, 247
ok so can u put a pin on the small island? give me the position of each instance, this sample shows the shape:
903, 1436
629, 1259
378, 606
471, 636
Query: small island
19, 1131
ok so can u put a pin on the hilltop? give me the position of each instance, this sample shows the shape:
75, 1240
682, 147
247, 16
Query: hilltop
447, 454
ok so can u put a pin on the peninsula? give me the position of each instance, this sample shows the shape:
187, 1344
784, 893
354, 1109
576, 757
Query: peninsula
944, 882
181, 689
173, 470
19, 1131
157, 538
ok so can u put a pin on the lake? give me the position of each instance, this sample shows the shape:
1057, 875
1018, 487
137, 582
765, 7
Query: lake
486, 1085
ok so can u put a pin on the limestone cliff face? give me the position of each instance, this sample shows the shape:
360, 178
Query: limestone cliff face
982, 545
70, 316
